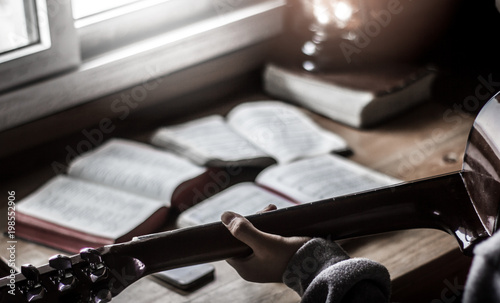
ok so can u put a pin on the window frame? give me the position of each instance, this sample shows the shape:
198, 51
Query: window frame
56, 50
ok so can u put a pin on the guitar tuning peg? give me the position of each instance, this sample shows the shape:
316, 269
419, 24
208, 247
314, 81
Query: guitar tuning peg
91, 255
64, 279
102, 296
31, 273
33, 290
97, 270
60, 262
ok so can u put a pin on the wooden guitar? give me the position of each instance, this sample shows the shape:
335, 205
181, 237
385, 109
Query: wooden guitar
465, 204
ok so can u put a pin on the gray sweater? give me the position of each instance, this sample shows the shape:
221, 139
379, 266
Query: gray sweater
483, 282
321, 271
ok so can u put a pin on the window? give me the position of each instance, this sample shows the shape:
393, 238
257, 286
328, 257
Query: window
38, 39
95, 48
18, 25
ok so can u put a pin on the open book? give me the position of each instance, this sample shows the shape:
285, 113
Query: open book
356, 98
284, 185
144, 170
69, 214
254, 133
120, 190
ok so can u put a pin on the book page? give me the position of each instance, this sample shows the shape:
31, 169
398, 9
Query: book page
330, 99
88, 207
244, 198
282, 131
356, 98
136, 168
207, 139
321, 178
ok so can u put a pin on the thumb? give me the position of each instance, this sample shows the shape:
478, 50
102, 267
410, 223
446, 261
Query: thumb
243, 230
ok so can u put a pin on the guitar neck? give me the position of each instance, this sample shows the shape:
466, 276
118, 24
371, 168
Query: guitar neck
441, 203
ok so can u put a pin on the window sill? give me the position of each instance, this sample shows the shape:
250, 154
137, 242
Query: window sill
142, 62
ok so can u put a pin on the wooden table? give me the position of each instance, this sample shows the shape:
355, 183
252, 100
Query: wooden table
422, 263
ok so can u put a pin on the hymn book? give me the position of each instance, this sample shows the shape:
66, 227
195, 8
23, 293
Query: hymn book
141, 169
120, 190
69, 214
252, 134
303, 181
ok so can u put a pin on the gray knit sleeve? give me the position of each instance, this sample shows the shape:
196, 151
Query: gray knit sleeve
483, 282
321, 271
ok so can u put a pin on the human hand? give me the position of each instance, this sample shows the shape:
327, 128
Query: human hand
271, 253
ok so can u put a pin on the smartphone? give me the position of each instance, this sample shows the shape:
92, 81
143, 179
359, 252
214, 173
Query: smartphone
189, 277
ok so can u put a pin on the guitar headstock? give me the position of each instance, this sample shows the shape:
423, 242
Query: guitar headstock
94, 275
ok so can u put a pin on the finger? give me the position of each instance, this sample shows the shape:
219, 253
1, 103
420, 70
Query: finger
243, 230
244, 269
268, 208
